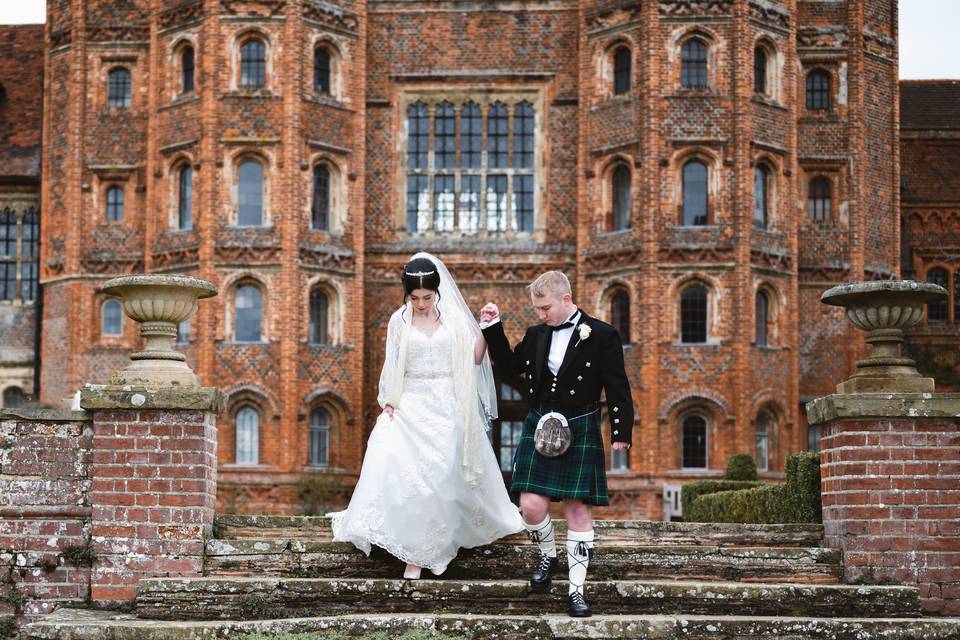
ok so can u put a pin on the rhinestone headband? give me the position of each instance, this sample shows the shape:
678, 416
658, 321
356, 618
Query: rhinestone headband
419, 274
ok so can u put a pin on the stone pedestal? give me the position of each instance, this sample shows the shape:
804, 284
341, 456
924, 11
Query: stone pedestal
153, 491
890, 477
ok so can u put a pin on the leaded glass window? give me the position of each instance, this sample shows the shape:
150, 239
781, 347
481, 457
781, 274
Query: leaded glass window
761, 196
470, 165
13, 397
118, 88
19, 235
319, 454
761, 319
185, 198
319, 321
250, 194
248, 311
187, 70
760, 70
115, 204
320, 207
253, 64
693, 64
695, 203
621, 71
321, 70
620, 315
693, 314
818, 90
112, 320
693, 451
621, 197
819, 200
248, 436
762, 432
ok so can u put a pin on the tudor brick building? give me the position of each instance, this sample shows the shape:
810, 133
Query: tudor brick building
702, 169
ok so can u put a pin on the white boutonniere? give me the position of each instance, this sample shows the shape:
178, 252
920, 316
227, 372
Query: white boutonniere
584, 331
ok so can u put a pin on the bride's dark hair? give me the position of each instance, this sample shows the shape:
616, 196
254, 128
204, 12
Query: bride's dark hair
421, 273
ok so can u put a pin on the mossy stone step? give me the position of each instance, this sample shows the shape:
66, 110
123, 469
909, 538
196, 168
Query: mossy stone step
68, 624
312, 559
247, 598
231, 527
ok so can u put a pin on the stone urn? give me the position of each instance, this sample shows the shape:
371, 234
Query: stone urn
884, 309
159, 303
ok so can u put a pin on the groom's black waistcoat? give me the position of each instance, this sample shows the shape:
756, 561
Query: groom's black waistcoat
593, 362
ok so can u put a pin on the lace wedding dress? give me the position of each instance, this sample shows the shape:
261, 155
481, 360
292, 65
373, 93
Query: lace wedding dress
412, 498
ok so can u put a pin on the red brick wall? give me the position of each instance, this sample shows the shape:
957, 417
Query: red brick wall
152, 494
44, 510
890, 502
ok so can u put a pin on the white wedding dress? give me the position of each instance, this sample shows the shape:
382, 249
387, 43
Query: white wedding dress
412, 498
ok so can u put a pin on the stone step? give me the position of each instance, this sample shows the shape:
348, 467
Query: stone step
231, 527
251, 598
310, 559
68, 624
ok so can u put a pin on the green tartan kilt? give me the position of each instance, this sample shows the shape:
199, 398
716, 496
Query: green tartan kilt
579, 474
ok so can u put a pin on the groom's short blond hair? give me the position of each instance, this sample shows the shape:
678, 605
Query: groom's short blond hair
555, 282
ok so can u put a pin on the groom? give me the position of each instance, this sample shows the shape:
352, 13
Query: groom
564, 362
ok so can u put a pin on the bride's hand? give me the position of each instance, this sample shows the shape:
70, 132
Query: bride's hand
389, 411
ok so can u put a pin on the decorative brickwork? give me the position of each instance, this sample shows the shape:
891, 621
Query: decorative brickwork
382, 54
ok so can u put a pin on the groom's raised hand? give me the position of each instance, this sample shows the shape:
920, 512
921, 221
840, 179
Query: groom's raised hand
489, 312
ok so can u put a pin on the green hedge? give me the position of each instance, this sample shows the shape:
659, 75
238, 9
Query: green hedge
795, 501
741, 467
693, 490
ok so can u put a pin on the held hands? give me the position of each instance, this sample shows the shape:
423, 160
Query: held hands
617, 446
489, 313
389, 411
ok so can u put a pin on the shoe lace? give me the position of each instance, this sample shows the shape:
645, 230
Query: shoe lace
545, 562
534, 536
577, 598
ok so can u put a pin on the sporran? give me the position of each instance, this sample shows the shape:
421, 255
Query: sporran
552, 436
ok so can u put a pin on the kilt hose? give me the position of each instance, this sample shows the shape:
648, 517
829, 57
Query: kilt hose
579, 474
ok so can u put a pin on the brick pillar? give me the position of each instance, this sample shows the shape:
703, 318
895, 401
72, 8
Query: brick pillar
153, 484
890, 477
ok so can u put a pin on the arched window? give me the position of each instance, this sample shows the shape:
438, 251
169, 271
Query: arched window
818, 90
321, 70
693, 63
761, 196
13, 397
693, 314
118, 88
693, 443
319, 317
937, 311
622, 63
253, 64
620, 314
319, 454
694, 193
250, 194
183, 332
115, 204
761, 318
766, 423
187, 70
185, 198
248, 436
813, 438
621, 197
320, 209
112, 318
819, 200
760, 70
248, 314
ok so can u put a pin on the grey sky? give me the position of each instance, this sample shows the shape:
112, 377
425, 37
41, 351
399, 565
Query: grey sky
929, 46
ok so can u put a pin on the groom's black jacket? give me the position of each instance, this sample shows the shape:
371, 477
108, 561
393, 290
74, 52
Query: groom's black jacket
590, 364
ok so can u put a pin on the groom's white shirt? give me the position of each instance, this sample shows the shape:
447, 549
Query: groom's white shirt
558, 343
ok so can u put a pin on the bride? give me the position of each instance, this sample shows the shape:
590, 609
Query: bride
430, 483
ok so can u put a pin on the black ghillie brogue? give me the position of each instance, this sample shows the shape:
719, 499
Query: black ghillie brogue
543, 572
578, 606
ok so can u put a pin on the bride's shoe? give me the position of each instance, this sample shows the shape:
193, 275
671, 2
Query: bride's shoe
412, 572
